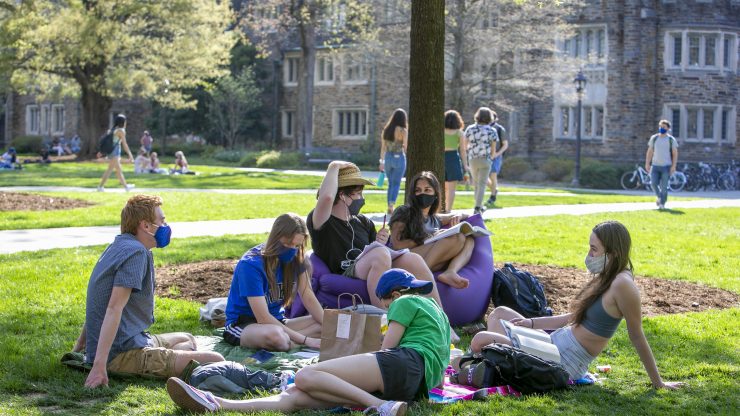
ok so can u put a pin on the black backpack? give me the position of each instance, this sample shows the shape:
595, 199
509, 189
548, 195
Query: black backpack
500, 364
105, 144
520, 291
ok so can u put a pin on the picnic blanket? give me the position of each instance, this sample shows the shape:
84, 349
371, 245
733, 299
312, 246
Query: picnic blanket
292, 360
451, 392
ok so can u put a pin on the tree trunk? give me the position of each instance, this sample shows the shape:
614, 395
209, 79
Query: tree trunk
95, 119
426, 90
457, 97
304, 113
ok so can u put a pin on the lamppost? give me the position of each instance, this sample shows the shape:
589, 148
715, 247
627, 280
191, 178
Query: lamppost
580, 83
163, 116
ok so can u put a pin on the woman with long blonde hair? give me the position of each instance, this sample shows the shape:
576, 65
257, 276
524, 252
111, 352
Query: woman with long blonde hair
609, 296
263, 285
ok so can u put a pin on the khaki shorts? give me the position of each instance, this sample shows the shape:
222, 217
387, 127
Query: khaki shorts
157, 361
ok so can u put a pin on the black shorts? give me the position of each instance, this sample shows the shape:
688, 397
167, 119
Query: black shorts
233, 332
402, 370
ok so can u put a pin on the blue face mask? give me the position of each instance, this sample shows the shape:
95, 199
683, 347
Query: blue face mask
162, 236
287, 254
663, 130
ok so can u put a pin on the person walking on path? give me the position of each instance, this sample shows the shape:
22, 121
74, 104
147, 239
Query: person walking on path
412, 361
393, 146
660, 161
114, 157
120, 304
498, 159
481, 147
456, 160
265, 281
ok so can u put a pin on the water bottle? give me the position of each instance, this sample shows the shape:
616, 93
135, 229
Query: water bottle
287, 377
381, 179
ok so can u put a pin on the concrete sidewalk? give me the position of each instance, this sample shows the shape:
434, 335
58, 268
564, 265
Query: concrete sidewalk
43, 239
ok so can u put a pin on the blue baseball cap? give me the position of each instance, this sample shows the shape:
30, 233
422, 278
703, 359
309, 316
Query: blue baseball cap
399, 279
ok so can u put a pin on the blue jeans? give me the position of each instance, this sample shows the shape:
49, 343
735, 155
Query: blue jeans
659, 181
395, 168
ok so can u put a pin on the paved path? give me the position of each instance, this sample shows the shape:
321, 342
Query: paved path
42, 239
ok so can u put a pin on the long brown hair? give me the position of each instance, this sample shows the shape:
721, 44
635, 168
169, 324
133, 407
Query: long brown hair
397, 119
285, 226
617, 244
410, 215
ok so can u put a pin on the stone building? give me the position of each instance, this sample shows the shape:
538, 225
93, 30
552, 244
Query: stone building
645, 60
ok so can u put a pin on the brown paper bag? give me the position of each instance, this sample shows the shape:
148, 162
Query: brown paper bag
347, 332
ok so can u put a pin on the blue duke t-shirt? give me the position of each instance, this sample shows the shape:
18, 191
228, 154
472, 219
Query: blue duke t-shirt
250, 279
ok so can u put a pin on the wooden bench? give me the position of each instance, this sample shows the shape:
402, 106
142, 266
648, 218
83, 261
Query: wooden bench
324, 155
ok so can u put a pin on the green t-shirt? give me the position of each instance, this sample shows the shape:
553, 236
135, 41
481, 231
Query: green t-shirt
427, 332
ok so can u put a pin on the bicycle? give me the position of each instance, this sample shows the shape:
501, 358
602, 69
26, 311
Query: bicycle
640, 177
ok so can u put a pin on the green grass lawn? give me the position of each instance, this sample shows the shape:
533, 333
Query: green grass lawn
87, 174
206, 206
42, 297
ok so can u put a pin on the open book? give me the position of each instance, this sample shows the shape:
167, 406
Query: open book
532, 341
464, 228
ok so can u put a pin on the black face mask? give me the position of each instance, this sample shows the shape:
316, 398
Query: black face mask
355, 206
425, 200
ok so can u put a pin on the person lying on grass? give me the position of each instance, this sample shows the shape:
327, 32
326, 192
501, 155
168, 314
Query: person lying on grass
597, 311
414, 355
120, 304
263, 284
418, 220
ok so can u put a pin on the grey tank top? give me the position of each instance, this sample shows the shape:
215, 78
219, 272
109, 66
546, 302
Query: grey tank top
598, 321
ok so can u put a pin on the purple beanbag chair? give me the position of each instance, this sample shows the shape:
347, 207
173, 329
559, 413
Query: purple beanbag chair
461, 305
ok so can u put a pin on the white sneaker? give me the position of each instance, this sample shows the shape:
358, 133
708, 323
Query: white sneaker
130, 187
101, 189
190, 398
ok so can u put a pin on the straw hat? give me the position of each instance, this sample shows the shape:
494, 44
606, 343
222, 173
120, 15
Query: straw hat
350, 176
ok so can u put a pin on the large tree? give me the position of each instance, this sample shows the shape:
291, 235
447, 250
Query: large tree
108, 49
276, 25
232, 99
426, 90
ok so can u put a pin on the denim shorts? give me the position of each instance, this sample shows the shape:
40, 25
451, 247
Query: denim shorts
496, 164
573, 356
453, 166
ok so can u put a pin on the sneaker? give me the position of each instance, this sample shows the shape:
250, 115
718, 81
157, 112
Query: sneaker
190, 398
388, 408
661, 206
491, 201
657, 202
101, 189
130, 187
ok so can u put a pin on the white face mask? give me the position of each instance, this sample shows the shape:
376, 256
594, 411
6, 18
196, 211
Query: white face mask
596, 265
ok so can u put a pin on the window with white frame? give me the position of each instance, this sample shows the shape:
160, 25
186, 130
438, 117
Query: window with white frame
592, 122
589, 43
45, 119
488, 19
350, 123
353, 70
324, 70
290, 71
288, 123
705, 123
57, 119
33, 119
697, 50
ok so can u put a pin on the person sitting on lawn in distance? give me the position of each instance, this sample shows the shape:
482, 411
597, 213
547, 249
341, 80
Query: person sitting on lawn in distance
418, 220
596, 313
340, 233
263, 284
413, 358
120, 304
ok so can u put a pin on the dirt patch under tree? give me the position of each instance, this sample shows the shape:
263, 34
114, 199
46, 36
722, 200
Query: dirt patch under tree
209, 279
16, 201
